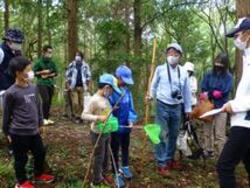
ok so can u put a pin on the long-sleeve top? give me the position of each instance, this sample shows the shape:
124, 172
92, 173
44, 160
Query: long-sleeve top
220, 82
45, 64
241, 103
72, 74
161, 88
98, 105
22, 111
125, 111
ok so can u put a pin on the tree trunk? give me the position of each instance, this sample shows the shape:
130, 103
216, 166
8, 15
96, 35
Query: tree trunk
242, 10
48, 26
137, 28
72, 28
127, 42
39, 28
6, 15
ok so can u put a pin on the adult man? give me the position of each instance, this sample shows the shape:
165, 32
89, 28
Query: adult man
10, 48
170, 87
45, 71
237, 147
78, 78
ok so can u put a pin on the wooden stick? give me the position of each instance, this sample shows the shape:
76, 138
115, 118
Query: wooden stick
98, 139
149, 81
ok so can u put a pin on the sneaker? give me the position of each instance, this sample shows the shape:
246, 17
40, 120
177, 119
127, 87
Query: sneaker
45, 122
44, 178
163, 171
26, 184
125, 171
119, 181
50, 122
175, 165
109, 179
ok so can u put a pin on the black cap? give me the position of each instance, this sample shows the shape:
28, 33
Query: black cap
242, 25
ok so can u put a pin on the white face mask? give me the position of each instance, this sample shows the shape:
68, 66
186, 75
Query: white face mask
30, 75
172, 60
78, 58
240, 44
15, 46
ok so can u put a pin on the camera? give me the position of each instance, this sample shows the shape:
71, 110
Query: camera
176, 95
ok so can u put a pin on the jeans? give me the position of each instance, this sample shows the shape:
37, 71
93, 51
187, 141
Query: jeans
21, 146
169, 118
236, 149
122, 141
46, 93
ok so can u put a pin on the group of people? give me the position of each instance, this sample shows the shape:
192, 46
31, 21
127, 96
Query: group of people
174, 89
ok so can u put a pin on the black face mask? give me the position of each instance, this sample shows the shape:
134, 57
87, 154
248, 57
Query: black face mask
218, 69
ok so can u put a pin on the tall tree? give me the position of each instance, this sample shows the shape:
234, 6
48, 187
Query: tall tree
242, 10
6, 14
137, 28
39, 28
72, 29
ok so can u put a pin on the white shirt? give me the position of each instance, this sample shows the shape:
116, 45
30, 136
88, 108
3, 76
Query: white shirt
193, 87
1, 55
241, 103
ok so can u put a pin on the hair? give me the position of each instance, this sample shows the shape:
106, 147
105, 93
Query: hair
18, 64
223, 59
246, 36
80, 53
102, 85
46, 47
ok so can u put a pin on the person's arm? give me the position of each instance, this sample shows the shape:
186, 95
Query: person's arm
204, 84
154, 83
39, 108
87, 114
132, 116
7, 112
187, 96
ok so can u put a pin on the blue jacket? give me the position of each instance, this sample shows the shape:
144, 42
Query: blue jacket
125, 113
223, 83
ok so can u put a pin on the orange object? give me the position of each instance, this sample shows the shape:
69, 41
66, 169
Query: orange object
202, 107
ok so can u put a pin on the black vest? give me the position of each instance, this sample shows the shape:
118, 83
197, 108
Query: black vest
5, 78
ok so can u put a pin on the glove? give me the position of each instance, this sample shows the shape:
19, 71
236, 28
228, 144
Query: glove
203, 96
217, 94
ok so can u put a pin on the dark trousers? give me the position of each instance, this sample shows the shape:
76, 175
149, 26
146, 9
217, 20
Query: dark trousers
21, 146
236, 149
46, 93
101, 156
120, 141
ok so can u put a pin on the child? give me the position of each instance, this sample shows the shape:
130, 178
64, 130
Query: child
98, 109
22, 119
126, 117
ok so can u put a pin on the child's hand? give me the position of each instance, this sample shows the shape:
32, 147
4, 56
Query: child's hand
9, 139
102, 118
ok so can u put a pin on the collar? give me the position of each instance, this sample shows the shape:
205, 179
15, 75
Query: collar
247, 52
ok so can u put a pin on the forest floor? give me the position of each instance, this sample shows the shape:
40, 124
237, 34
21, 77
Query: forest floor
68, 149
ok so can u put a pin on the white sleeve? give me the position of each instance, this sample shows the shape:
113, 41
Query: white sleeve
1, 55
240, 105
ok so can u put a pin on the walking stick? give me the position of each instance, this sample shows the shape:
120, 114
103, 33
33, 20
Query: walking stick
99, 137
146, 118
149, 81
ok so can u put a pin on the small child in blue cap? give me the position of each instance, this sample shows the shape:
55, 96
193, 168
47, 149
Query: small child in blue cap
126, 116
